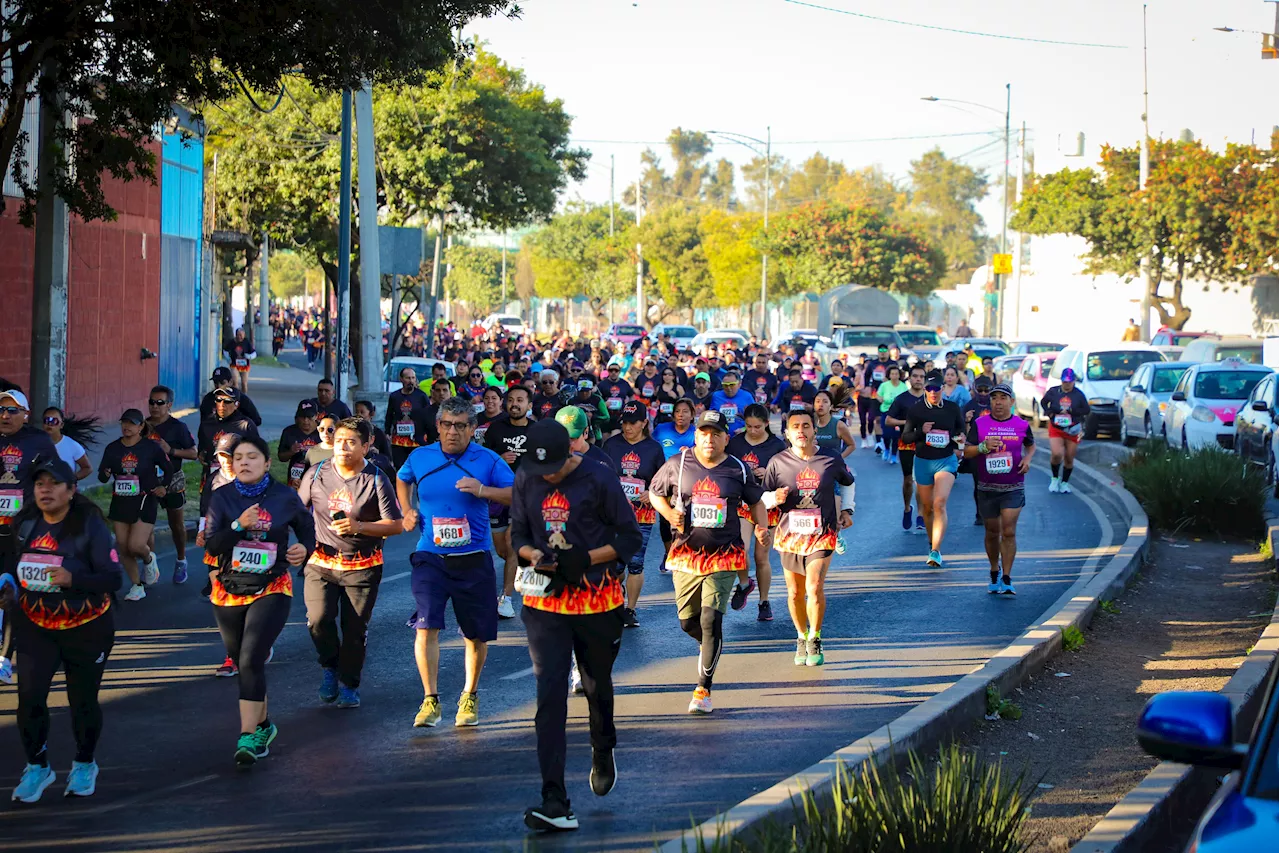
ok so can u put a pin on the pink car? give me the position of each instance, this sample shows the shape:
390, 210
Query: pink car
624, 333
1030, 382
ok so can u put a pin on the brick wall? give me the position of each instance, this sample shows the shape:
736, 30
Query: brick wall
17, 266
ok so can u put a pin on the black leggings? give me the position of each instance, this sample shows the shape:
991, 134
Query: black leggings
82, 652
867, 409
708, 630
248, 631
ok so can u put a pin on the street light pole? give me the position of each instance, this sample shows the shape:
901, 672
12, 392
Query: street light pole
1004, 213
764, 257
1144, 169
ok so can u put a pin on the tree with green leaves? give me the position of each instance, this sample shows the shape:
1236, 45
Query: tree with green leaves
729, 242
942, 205
573, 254
475, 276
674, 255
125, 66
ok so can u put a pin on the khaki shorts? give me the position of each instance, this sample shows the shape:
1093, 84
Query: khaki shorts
694, 592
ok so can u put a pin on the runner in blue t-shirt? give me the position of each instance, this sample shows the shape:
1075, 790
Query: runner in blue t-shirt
677, 433
455, 481
731, 401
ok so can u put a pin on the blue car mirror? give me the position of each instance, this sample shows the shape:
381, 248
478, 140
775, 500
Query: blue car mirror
1191, 728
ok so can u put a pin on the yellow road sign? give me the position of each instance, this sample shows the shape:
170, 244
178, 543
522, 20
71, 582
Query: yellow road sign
1002, 264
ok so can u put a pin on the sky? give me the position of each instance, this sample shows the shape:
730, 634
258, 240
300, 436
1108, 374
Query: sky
818, 79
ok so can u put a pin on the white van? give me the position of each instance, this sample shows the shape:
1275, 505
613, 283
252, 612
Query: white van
1102, 372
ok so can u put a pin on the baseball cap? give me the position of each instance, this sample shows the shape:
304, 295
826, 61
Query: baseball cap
1003, 388
19, 399
221, 374
983, 381
133, 416
933, 380
1068, 375
585, 384
633, 411
712, 420
226, 394
56, 468
546, 447
882, 348
226, 444
307, 409
573, 419
705, 377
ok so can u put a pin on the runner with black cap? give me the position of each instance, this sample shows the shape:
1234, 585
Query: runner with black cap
296, 439
221, 378
756, 446
698, 493
136, 466
66, 571
20, 446
936, 427
179, 445
328, 403
406, 421
636, 459
1066, 407
1000, 444
227, 419
574, 528
240, 352
616, 391
506, 437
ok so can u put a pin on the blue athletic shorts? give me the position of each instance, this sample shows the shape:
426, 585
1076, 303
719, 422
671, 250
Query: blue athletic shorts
925, 470
465, 579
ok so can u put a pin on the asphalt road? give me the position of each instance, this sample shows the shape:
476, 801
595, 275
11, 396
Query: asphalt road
896, 633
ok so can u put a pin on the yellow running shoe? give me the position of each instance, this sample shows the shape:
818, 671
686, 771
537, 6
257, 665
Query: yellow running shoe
428, 714
468, 710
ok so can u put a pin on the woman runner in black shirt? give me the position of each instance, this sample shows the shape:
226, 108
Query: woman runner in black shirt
936, 427
137, 467
755, 446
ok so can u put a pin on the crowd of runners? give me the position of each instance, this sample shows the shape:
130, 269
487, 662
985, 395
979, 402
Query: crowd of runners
561, 457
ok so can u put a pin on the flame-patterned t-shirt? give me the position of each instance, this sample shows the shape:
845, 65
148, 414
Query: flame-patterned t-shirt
368, 497
635, 465
144, 461
808, 522
279, 511
18, 452
709, 499
406, 421
756, 457
92, 561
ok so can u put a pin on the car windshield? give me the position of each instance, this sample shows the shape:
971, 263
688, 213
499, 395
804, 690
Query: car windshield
1163, 381
920, 338
681, 332
1045, 366
1119, 365
510, 321
867, 338
1227, 384
1035, 348
628, 330
1247, 354
1182, 340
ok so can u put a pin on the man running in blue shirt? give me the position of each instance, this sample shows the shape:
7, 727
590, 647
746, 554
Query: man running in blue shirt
731, 401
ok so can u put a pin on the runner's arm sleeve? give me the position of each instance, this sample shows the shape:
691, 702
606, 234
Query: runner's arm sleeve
911, 431
104, 573
1083, 401
848, 495
1047, 404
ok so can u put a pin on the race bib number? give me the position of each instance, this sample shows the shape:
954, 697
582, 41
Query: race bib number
531, 583
10, 502
632, 487
708, 512
451, 532
35, 570
1000, 463
761, 397
730, 412
253, 557
804, 522
938, 438
128, 487
242, 362
666, 408
1062, 421
296, 472
404, 429
477, 407
647, 391
478, 437
878, 374
797, 405
613, 403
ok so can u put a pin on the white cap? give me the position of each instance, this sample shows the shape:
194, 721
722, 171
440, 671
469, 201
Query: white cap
18, 397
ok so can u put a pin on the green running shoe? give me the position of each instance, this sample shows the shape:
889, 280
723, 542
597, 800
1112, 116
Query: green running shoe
263, 737
813, 652
246, 750
802, 652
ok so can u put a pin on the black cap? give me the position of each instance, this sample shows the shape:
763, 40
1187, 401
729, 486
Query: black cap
308, 409
226, 394
546, 448
221, 374
226, 443
633, 411
712, 419
983, 381
55, 468
1003, 388
133, 416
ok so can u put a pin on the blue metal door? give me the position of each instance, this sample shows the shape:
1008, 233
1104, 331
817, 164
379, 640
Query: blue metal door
178, 318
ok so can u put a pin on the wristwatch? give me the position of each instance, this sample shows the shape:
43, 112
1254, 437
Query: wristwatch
235, 525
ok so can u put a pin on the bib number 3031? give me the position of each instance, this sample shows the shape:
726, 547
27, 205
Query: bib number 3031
451, 532
253, 557
34, 571
708, 512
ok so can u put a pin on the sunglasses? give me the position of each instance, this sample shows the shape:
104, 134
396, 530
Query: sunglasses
157, 402
12, 411
932, 387
53, 421
328, 429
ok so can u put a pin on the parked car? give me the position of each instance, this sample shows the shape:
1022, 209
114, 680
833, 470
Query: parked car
1257, 432
1146, 399
1203, 406
1030, 384
1166, 337
681, 336
1248, 350
717, 337
1199, 728
421, 366
511, 322
623, 333
1101, 375
1006, 366
1029, 347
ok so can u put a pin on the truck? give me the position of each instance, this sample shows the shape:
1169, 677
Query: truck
854, 319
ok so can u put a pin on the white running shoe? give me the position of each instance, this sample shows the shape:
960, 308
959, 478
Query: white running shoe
6, 671
701, 701
575, 681
135, 593
1065, 488
151, 570
1054, 485
505, 608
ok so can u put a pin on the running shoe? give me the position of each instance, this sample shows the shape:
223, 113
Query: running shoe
893, 460
429, 714
629, 619
575, 682
348, 697
35, 778
740, 593
228, 669
468, 711
328, 685
604, 771
840, 546
813, 652
135, 593
701, 701
879, 448
505, 610
1006, 587
766, 612
1065, 488
246, 750
906, 519
6, 671
263, 736
935, 558
662, 568
151, 570
271, 652
802, 651
554, 815
920, 524
180, 571
82, 781
1055, 485
994, 587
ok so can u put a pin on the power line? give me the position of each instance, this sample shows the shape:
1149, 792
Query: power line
954, 30
256, 105
800, 141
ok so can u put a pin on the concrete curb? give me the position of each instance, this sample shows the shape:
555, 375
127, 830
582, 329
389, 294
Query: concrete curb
959, 705
1171, 789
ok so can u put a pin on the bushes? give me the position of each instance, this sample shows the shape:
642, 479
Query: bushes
962, 805
1202, 491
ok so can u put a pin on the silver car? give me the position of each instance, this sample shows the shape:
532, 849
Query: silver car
1145, 399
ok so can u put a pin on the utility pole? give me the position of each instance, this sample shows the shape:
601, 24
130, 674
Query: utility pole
344, 251
1144, 168
434, 302
49, 284
641, 313
262, 334
764, 258
504, 269
611, 287
448, 285
1017, 238
370, 368
1004, 214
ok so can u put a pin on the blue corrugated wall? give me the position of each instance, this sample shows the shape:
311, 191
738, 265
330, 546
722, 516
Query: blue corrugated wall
181, 219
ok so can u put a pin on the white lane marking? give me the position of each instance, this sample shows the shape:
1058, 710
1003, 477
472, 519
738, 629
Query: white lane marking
396, 577
521, 674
